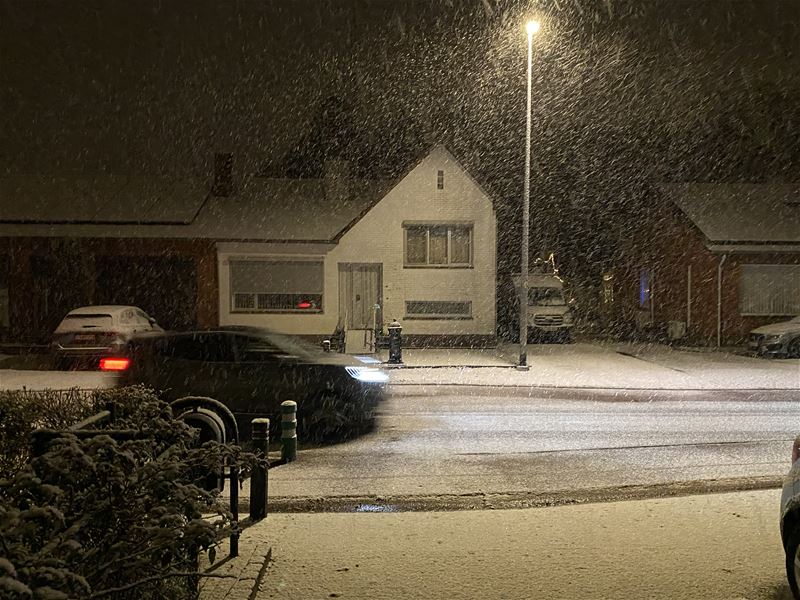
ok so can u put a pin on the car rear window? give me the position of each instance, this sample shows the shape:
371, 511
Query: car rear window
85, 321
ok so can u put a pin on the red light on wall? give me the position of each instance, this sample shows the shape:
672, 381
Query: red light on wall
114, 364
304, 304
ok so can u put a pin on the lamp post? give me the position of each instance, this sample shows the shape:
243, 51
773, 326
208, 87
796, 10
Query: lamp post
531, 27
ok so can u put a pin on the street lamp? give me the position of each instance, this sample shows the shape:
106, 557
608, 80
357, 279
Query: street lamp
531, 27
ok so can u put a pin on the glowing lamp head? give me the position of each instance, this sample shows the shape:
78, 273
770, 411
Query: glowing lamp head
532, 27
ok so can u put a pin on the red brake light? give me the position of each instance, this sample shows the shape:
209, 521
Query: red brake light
114, 364
304, 304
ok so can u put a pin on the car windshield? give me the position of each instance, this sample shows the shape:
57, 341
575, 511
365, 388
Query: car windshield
293, 345
545, 297
500, 297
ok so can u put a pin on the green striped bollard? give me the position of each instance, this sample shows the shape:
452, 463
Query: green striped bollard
288, 431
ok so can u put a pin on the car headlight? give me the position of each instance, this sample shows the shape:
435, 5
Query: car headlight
367, 374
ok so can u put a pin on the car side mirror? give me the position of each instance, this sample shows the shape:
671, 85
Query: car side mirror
152, 321
326, 345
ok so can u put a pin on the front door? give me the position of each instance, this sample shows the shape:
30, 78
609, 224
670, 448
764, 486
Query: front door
359, 292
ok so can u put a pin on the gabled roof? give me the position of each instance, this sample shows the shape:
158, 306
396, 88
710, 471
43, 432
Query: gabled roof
262, 209
762, 214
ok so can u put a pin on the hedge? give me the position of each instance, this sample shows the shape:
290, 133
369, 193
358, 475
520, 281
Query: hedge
100, 518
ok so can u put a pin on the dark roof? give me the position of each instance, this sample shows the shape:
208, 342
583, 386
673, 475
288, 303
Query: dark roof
741, 213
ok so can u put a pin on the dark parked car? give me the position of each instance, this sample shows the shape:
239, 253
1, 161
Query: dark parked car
90, 332
252, 371
790, 520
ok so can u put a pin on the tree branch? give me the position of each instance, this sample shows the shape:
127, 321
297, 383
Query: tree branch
123, 588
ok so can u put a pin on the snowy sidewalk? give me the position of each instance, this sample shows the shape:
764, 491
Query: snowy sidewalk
580, 365
11, 379
718, 546
600, 366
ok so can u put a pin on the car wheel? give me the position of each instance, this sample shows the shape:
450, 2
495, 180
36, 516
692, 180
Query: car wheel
793, 562
328, 417
793, 350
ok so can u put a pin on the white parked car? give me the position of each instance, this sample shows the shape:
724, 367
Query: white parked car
778, 339
86, 334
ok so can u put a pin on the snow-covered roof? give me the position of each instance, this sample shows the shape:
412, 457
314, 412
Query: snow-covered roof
106, 309
262, 209
741, 213
99, 199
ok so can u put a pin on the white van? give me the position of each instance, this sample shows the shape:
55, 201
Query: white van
548, 309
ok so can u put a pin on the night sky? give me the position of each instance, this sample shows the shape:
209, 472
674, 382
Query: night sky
626, 92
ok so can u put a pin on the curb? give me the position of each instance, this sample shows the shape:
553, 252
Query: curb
509, 500
586, 387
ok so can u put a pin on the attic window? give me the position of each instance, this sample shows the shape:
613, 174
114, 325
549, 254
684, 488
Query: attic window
440, 180
438, 245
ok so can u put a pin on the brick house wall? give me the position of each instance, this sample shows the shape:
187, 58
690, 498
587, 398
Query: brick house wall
669, 243
47, 277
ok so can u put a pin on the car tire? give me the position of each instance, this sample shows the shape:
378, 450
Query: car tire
329, 417
793, 348
793, 562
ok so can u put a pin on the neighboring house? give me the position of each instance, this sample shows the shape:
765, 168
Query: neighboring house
301, 256
713, 260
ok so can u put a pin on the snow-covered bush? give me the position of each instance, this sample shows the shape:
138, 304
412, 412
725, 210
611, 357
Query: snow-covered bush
22, 411
101, 518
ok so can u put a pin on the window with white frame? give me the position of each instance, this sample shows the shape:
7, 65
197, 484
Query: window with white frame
438, 245
769, 290
438, 309
279, 285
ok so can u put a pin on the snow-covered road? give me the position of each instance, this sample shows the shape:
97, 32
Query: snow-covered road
440, 445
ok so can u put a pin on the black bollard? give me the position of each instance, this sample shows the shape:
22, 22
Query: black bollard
395, 343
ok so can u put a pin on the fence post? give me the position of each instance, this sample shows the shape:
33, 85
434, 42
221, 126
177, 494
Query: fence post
259, 480
234, 476
288, 431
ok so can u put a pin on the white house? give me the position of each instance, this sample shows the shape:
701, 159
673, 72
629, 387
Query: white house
421, 250
301, 256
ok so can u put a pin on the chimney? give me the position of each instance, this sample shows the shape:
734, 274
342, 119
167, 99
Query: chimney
336, 180
223, 174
